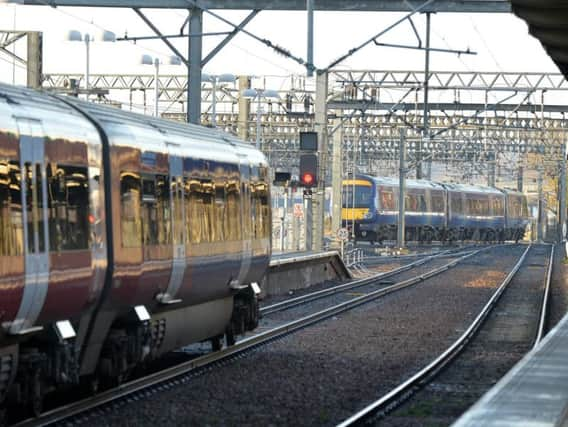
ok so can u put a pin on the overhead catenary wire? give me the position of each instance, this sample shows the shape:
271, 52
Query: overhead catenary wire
278, 49
63, 11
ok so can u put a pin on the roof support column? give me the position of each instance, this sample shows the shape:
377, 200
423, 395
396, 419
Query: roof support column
336, 176
194, 70
35, 59
321, 129
244, 109
562, 207
426, 116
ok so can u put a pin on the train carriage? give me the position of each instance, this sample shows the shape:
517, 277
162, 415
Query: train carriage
433, 211
370, 208
122, 237
475, 212
517, 214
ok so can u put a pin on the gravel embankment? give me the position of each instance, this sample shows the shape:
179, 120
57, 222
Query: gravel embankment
506, 336
324, 373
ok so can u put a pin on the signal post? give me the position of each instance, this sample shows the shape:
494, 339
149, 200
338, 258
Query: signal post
309, 180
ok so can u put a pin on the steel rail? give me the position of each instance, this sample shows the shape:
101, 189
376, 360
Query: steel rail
544, 308
293, 302
176, 373
390, 258
404, 390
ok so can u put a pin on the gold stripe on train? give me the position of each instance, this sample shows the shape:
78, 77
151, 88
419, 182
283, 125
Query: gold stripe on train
357, 182
353, 214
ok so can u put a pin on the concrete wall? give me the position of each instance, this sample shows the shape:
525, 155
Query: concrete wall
303, 273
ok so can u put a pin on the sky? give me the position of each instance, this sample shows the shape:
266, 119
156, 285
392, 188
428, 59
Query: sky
501, 41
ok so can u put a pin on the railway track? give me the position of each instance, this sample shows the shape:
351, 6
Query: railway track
74, 413
498, 332
356, 284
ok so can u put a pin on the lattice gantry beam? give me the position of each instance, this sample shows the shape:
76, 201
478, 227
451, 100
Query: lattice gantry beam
451, 80
463, 6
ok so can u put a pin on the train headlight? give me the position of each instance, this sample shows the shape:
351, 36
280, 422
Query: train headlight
368, 215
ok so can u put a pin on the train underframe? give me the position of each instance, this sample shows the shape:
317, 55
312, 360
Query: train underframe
427, 234
46, 361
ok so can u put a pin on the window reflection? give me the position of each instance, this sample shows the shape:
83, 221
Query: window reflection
11, 225
68, 207
130, 210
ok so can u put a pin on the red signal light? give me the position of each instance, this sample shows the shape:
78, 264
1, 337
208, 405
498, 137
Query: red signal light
307, 178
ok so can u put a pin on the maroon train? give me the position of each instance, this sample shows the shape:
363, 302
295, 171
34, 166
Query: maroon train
122, 237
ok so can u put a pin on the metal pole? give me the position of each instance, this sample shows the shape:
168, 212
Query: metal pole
35, 61
540, 230
308, 238
310, 62
401, 189
285, 222
87, 42
214, 103
244, 108
156, 85
194, 69
520, 179
426, 126
258, 121
562, 215
321, 129
336, 177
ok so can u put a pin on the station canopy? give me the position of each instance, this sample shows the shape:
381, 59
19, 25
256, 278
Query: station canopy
548, 22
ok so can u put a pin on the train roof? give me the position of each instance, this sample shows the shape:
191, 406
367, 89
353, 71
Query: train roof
470, 188
410, 183
212, 139
422, 183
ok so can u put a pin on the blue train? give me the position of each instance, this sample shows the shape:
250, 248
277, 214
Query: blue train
433, 211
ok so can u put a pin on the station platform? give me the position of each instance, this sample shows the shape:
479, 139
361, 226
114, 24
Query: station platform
290, 271
281, 258
534, 393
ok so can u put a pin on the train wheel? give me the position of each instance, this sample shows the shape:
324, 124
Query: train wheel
230, 335
217, 343
90, 385
35, 403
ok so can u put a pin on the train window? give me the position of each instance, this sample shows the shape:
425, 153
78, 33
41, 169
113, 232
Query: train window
514, 207
525, 208
233, 222
34, 206
199, 199
415, 203
265, 207
11, 226
245, 199
362, 199
484, 206
68, 207
177, 191
220, 211
472, 207
130, 215
438, 202
456, 203
498, 206
156, 221
259, 203
388, 202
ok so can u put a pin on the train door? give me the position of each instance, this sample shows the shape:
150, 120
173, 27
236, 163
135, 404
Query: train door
178, 229
246, 254
35, 221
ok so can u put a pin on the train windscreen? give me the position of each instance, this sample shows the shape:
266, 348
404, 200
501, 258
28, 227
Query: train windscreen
362, 198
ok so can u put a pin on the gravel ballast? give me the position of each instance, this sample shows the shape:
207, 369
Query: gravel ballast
326, 372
